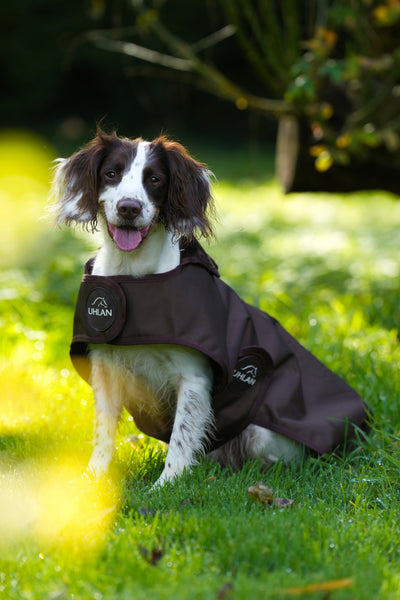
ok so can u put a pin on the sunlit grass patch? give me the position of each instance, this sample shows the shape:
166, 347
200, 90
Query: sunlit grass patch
359, 230
45, 440
310, 249
36, 399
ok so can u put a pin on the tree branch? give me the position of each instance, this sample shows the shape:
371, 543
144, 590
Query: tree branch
130, 49
222, 86
183, 58
213, 39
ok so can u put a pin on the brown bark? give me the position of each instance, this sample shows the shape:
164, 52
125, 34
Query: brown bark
297, 173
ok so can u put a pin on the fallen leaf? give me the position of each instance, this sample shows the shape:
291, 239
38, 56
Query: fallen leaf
146, 512
265, 495
283, 503
190, 502
325, 586
261, 493
186, 502
225, 591
153, 556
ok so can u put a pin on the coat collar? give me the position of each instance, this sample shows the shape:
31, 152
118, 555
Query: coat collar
191, 253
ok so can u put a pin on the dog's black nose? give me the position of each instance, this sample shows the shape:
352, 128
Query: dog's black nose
129, 208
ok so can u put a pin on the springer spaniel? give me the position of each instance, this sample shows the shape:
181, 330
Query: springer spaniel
144, 197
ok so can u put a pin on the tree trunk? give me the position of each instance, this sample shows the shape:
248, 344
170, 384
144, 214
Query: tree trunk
297, 173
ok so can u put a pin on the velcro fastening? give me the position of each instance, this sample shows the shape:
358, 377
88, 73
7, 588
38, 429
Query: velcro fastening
100, 310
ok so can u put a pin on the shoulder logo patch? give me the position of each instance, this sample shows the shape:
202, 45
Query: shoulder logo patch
101, 309
248, 372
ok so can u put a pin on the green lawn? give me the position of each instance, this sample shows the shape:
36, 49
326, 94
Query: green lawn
326, 266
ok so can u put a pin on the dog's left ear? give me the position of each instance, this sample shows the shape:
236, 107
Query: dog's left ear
190, 203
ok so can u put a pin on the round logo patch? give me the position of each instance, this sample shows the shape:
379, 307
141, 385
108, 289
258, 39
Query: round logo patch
248, 372
101, 309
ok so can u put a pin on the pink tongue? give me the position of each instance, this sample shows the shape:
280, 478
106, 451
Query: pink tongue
127, 239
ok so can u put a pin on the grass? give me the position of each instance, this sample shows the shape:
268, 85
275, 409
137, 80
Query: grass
325, 266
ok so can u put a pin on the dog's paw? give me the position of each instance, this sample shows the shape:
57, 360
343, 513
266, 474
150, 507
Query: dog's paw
94, 472
88, 476
170, 474
98, 465
164, 477
158, 484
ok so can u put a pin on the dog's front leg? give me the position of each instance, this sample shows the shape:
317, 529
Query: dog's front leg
108, 410
193, 425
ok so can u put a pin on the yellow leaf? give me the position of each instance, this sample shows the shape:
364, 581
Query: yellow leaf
327, 111
324, 162
326, 586
317, 150
343, 140
241, 103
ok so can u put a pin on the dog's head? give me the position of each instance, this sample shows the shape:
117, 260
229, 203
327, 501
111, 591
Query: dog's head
132, 184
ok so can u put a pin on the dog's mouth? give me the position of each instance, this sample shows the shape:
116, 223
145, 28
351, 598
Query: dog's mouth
127, 238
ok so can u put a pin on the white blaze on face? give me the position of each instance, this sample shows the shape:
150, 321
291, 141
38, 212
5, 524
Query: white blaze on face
130, 186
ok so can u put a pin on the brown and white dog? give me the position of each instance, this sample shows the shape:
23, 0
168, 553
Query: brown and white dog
144, 197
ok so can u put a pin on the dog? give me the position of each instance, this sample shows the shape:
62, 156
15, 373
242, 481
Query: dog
148, 199
145, 197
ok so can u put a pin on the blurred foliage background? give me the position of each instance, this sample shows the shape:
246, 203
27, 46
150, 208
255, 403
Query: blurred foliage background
222, 70
56, 81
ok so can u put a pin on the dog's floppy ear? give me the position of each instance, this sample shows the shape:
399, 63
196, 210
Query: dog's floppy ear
189, 203
74, 191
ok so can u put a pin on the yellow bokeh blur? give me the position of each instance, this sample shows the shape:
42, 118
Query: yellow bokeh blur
344, 140
25, 172
55, 503
46, 496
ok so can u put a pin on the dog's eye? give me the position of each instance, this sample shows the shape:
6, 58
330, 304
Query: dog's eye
111, 174
154, 179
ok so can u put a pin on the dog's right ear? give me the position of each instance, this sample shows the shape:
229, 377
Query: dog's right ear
74, 192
